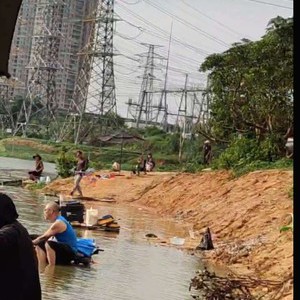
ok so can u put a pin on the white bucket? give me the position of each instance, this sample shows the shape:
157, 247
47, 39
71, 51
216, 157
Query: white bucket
48, 179
91, 217
42, 179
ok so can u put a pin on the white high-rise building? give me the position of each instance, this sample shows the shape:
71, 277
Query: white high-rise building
73, 38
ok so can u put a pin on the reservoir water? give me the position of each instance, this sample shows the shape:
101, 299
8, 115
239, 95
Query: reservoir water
130, 267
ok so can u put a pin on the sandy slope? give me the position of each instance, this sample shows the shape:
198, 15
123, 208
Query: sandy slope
244, 214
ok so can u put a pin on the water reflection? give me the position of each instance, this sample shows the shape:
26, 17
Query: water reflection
129, 267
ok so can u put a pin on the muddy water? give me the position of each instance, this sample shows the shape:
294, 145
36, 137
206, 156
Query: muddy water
131, 267
22, 164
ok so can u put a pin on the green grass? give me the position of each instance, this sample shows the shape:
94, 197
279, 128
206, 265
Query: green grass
25, 152
284, 163
98, 156
36, 186
103, 157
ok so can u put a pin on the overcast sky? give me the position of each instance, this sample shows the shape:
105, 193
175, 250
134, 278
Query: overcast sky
200, 28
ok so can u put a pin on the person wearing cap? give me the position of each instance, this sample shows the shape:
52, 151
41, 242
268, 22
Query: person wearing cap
207, 153
39, 168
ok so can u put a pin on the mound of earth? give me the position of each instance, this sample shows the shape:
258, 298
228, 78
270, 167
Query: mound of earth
244, 214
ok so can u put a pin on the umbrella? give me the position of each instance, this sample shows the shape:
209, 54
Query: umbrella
9, 10
120, 137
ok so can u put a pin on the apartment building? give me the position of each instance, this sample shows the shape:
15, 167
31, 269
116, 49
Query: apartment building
31, 48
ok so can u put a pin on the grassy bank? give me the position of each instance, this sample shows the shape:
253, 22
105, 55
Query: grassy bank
100, 157
160, 144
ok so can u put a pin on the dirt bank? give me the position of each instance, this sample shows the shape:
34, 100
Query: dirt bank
244, 214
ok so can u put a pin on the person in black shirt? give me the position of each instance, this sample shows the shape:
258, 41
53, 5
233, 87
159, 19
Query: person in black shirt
207, 153
39, 168
19, 277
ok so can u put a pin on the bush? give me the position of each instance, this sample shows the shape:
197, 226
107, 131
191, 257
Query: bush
154, 131
172, 144
65, 163
97, 165
243, 151
245, 155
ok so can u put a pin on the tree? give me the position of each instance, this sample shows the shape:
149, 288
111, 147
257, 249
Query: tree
251, 85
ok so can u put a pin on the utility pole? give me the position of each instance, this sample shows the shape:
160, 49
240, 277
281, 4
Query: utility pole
162, 107
182, 109
204, 103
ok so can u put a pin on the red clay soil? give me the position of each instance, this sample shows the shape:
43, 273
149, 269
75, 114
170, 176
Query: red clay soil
244, 214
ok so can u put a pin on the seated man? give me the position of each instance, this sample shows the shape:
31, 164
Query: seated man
63, 249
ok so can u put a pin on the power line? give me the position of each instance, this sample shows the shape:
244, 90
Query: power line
184, 22
132, 3
174, 39
123, 36
272, 4
212, 19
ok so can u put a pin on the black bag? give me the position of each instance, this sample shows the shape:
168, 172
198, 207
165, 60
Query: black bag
206, 241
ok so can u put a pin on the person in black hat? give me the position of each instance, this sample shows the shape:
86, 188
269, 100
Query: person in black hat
39, 168
207, 152
18, 262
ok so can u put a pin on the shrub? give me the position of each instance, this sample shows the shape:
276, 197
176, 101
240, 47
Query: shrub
65, 163
243, 151
97, 165
153, 130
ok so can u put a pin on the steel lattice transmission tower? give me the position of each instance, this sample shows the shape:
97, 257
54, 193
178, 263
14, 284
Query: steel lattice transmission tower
43, 65
145, 106
94, 93
143, 110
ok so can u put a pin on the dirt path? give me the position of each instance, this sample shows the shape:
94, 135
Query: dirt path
244, 214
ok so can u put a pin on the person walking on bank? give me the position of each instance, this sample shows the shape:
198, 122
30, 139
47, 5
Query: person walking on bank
81, 166
18, 262
207, 153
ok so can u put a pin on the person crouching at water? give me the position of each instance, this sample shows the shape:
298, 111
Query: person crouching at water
39, 168
18, 263
63, 248
79, 171
149, 163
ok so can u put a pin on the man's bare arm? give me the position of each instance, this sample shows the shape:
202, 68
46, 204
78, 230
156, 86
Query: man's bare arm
56, 227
